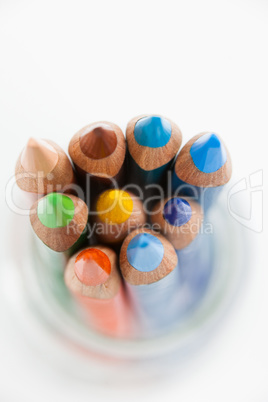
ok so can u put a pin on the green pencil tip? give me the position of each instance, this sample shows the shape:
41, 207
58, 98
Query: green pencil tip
55, 210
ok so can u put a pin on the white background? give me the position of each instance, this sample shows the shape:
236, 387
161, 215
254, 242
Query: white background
204, 64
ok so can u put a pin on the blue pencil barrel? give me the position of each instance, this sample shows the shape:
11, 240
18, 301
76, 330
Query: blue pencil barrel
142, 177
196, 267
156, 305
149, 266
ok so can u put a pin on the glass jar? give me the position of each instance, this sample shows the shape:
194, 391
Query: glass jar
53, 322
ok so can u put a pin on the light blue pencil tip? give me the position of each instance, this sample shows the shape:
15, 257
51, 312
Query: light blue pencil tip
208, 153
152, 131
145, 252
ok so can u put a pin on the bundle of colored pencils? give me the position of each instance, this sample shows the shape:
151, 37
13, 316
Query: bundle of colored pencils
128, 214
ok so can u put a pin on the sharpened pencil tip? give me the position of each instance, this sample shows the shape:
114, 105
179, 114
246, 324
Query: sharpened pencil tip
92, 267
145, 252
55, 210
99, 142
208, 153
33, 143
152, 131
177, 211
114, 206
39, 156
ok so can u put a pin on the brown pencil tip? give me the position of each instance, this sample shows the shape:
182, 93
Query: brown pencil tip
38, 156
99, 142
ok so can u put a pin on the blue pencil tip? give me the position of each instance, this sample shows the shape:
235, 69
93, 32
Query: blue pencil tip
208, 153
145, 252
177, 211
152, 131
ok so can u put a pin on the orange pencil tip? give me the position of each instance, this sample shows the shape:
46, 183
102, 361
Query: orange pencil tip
92, 267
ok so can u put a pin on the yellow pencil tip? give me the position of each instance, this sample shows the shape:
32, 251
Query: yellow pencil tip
114, 206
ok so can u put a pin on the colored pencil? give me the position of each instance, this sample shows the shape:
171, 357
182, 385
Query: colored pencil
43, 167
98, 153
180, 220
153, 142
117, 213
60, 221
149, 266
202, 168
92, 276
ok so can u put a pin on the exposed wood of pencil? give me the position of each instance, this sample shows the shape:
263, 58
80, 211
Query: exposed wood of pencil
135, 277
152, 158
186, 170
58, 179
105, 167
136, 219
62, 238
179, 236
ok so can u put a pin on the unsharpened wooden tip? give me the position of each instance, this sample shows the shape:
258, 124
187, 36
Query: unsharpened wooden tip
92, 267
99, 142
39, 156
